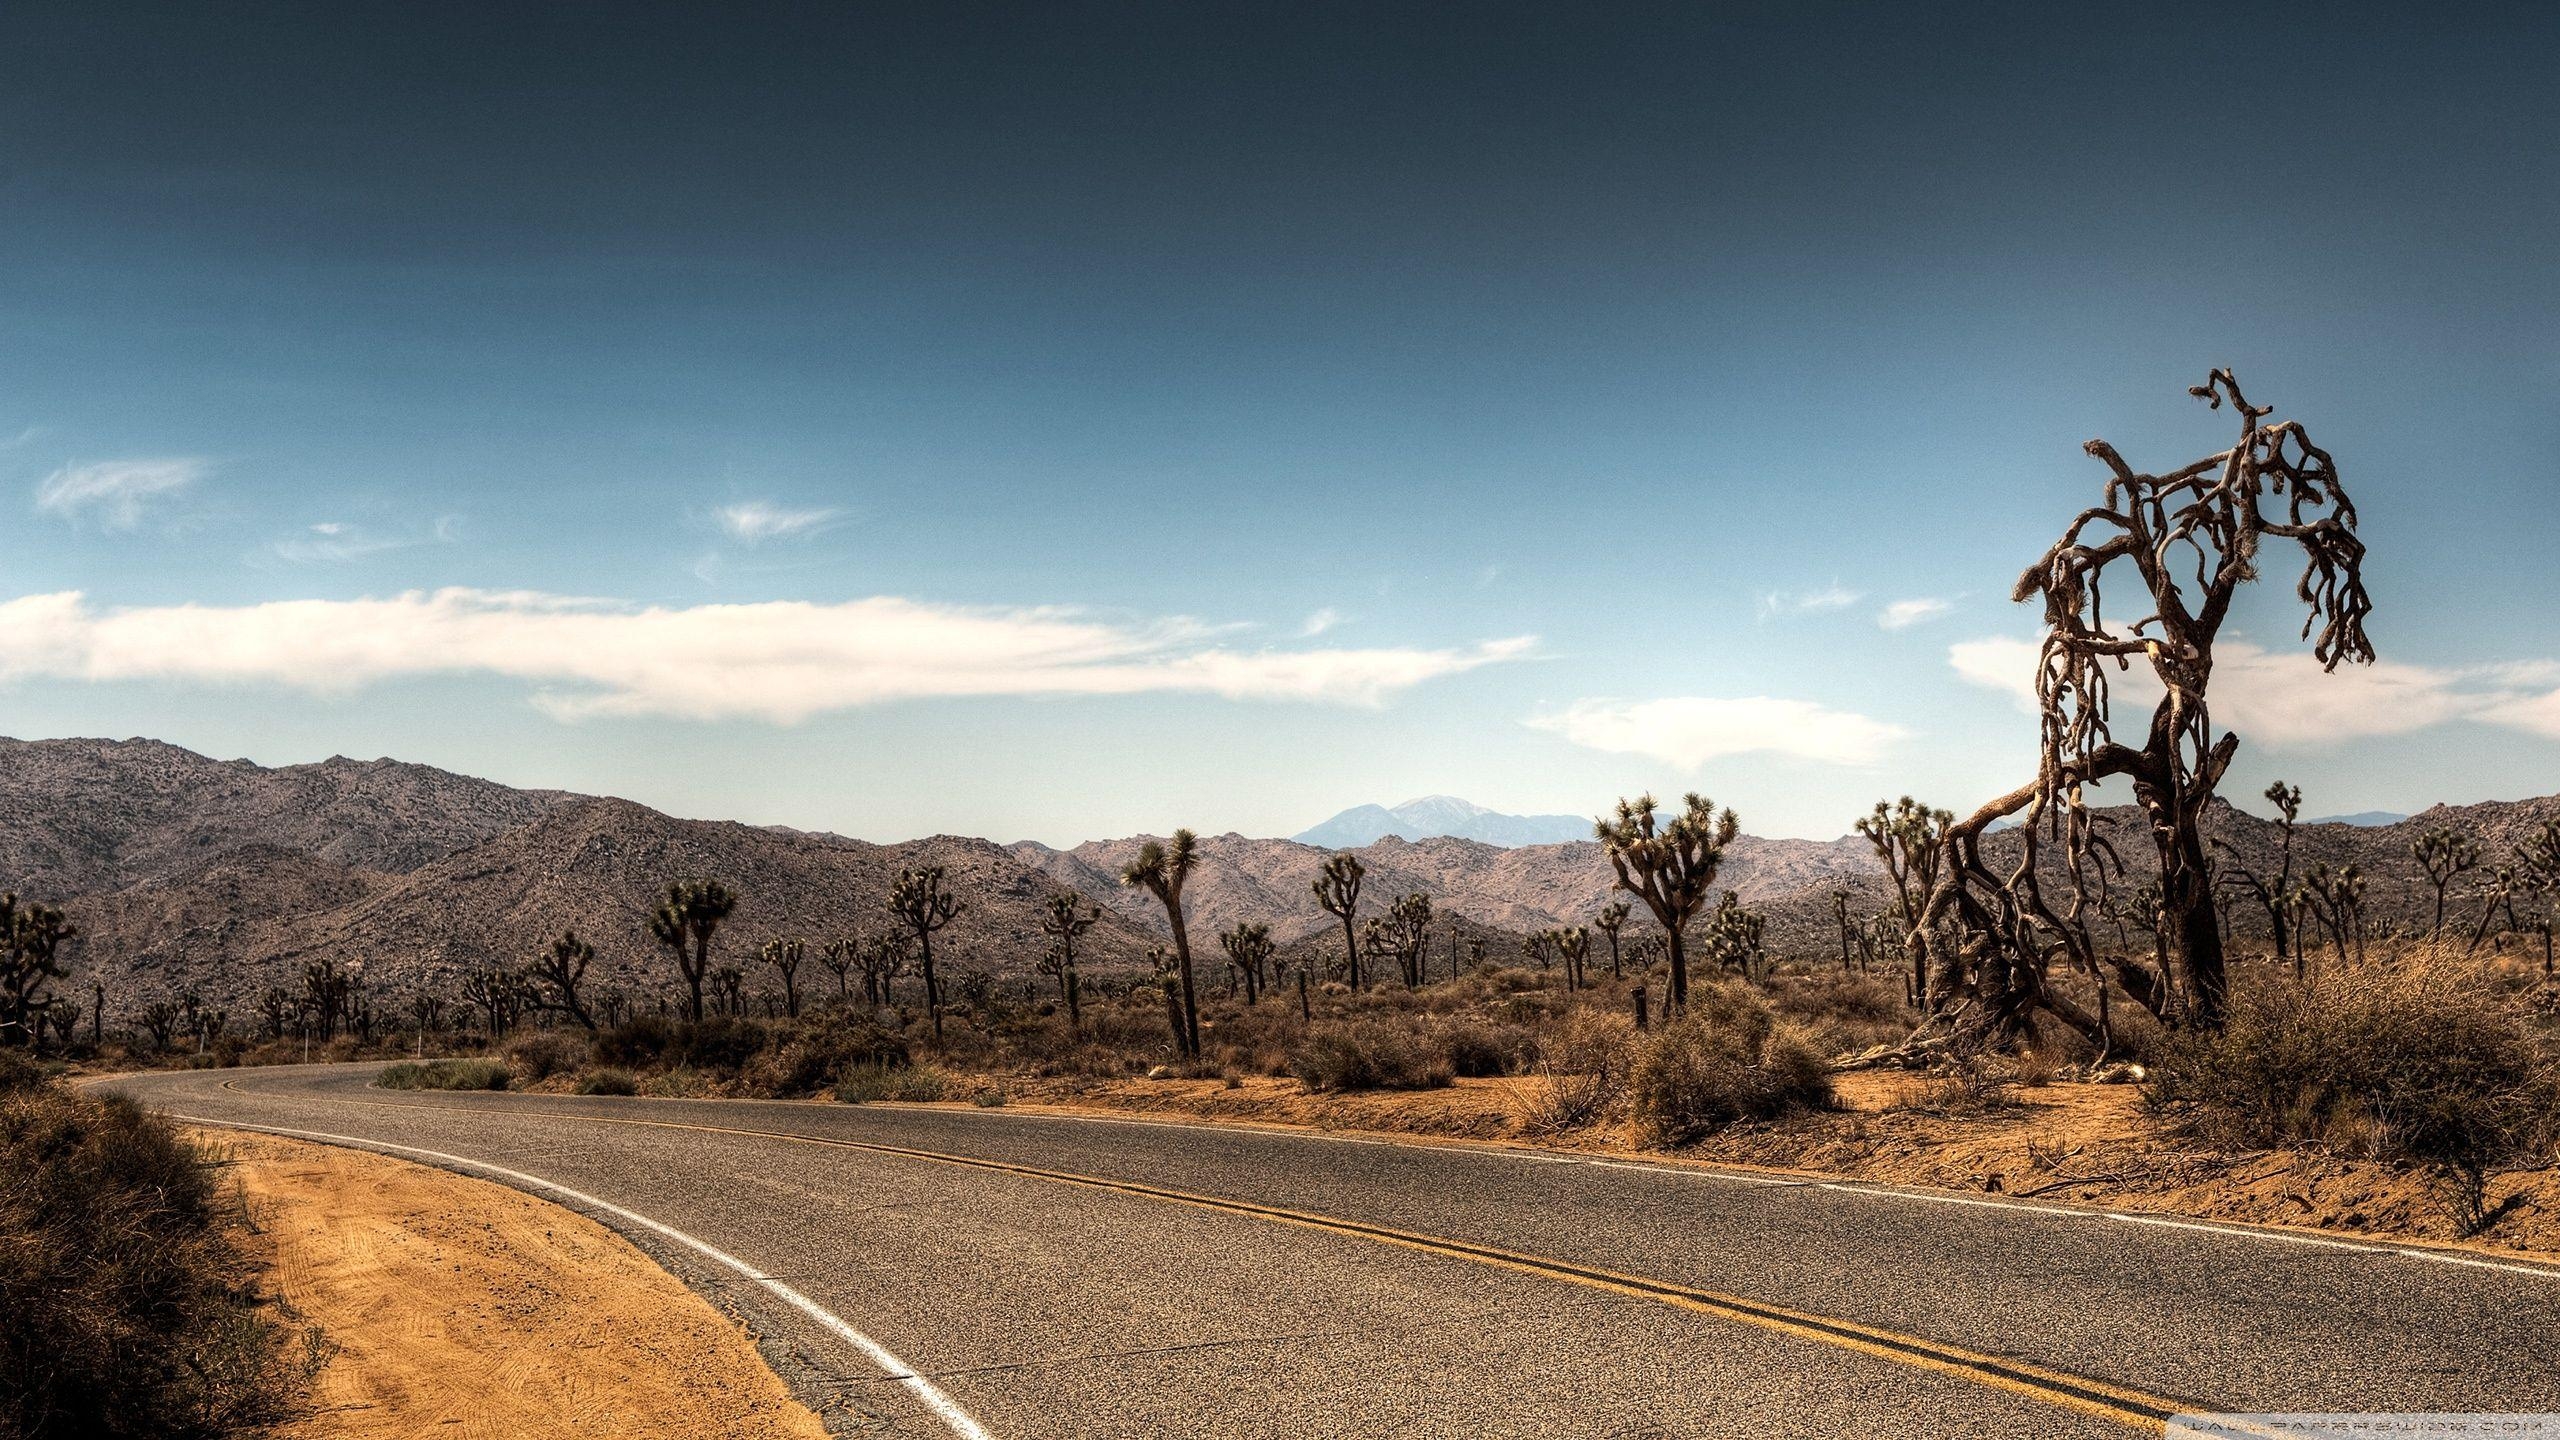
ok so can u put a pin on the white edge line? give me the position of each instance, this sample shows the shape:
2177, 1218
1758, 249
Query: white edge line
1855, 1188
2438, 1255
927, 1393
2277, 1236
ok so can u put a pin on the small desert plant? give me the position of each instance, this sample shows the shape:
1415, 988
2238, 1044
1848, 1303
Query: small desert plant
636, 1043
1367, 1055
1581, 1073
865, 1083
447, 1075
1474, 1050
1726, 1061
608, 1080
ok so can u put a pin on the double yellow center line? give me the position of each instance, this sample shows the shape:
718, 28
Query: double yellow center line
2133, 1409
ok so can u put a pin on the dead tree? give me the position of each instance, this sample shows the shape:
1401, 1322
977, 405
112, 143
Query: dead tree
2192, 538
1670, 866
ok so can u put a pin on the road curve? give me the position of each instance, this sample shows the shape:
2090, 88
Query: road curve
939, 1271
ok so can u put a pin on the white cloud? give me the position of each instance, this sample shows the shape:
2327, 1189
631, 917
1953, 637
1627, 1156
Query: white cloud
335, 542
2283, 700
117, 490
1689, 731
777, 661
1319, 622
1903, 614
756, 521
1834, 596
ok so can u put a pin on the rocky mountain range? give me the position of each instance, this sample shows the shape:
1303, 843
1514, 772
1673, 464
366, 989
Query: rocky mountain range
223, 876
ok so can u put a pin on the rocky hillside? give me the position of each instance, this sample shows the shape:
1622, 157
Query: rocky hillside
222, 876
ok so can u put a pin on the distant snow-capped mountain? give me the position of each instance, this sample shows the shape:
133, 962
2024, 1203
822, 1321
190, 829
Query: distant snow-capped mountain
1434, 815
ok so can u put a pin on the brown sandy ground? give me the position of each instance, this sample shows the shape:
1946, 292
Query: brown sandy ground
460, 1308
2077, 1143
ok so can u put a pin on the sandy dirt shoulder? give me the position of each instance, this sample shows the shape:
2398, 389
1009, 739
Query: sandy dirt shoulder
463, 1308
2074, 1143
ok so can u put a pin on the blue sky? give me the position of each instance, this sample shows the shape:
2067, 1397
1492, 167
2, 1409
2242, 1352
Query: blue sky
1069, 421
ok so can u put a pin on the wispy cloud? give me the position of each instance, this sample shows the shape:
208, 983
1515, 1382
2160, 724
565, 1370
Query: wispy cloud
337, 542
1903, 614
1834, 596
1688, 731
116, 491
2282, 698
756, 521
1319, 622
780, 661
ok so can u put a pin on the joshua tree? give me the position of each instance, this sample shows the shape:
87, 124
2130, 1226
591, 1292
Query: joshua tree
884, 959
1670, 866
1337, 888
563, 967
2337, 901
160, 1019
685, 924
784, 956
1161, 870
1733, 936
1248, 948
1909, 838
276, 1006
1611, 921
31, 940
327, 987
729, 989
2538, 869
1475, 950
2271, 893
2496, 894
496, 993
1406, 932
2445, 857
1064, 924
925, 904
2192, 536
1573, 944
838, 957
1540, 947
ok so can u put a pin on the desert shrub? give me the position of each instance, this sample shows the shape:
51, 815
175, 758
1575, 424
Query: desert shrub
1842, 1014
2427, 1060
871, 1082
124, 1310
636, 1043
1581, 1073
1367, 1055
608, 1080
818, 1052
446, 1075
1474, 1050
720, 1043
540, 1054
1727, 1060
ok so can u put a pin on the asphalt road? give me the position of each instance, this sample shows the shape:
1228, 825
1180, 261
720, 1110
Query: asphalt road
931, 1271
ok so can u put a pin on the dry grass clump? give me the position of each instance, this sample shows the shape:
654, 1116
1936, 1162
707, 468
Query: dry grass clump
1728, 1060
447, 1075
537, 1055
1841, 1013
2427, 1059
124, 1309
607, 1080
1581, 1073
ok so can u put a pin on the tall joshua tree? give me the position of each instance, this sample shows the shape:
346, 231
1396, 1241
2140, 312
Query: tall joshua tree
1248, 948
2192, 537
2446, 857
31, 940
1670, 866
692, 914
1161, 869
1337, 888
1065, 923
925, 904
1909, 838
785, 956
563, 967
